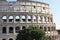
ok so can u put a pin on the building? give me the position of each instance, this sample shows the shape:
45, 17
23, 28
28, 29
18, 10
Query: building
15, 16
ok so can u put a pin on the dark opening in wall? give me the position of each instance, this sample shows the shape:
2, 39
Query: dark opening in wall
29, 19
3, 39
43, 8
23, 20
10, 20
4, 20
17, 29
17, 20
45, 29
4, 30
10, 29
23, 27
10, 39
34, 7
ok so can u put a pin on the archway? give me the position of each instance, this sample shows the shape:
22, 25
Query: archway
10, 39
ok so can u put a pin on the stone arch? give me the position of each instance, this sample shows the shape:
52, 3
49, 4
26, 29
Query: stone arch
10, 29
10, 39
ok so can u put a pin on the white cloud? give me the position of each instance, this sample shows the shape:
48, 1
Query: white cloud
58, 27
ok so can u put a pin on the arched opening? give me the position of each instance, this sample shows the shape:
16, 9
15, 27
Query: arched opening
10, 39
10, 18
3, 39
23, 27
48, 28
29, 18
23, 18
4, 30
17, 29
10, 29
4, 18
17, 18
45, 29
51, 19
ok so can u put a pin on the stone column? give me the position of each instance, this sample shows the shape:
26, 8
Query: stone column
32, 18
14, 30
7, 18
20, 27
42, 19
14, 19
37, 18
26, 20
20, 18
7, 30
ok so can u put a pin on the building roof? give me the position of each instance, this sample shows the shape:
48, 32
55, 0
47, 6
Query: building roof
30, 1
34, 1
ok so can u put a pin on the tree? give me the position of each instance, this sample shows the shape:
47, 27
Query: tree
31, 33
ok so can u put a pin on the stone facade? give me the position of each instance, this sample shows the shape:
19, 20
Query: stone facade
15, 16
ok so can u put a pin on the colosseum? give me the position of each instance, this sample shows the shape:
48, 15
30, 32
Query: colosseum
15, 16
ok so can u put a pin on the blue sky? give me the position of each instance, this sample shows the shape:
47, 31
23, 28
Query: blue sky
55, 9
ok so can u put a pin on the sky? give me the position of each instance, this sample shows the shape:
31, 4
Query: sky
55, 10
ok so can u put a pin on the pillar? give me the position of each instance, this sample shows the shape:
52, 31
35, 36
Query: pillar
7, 30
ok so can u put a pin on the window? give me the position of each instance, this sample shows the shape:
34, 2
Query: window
10, 29
29, 18
4, 30
3, 39
17, 18
23, 18
10, 18
10, 39
51, 19
23, 27
48, 28
44, 28
34, 7
43, 8
4, 18
17, 29
51, 28
40, 27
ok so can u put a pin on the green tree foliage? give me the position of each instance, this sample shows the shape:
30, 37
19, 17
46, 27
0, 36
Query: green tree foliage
31, 33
